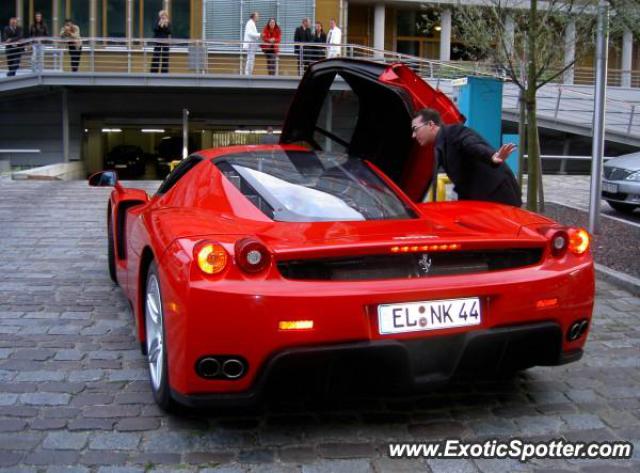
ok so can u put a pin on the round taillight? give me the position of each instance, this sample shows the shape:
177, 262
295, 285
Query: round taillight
252, 256
579, 241
559, 243
210, 256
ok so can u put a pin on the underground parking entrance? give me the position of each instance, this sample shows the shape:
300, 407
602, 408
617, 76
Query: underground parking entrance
150, 150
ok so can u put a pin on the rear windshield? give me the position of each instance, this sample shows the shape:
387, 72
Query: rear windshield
304, 186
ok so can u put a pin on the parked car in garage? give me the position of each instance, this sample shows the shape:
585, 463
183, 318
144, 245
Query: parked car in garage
305, 262
621, 183
169, 150
127, 160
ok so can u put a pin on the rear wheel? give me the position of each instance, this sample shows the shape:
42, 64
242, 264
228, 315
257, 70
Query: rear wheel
621, 207
111, 254
156, 341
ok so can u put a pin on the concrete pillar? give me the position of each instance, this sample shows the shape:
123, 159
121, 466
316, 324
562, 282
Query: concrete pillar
510, 34
55, 19
378, 26
94, 150
93, 16
445, 35
627, 58
129, 20
19, 11
569, 52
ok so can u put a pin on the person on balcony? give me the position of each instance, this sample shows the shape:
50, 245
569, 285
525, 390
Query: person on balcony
250, 43
320, 38
71, 33
38, 29
334, 39
302, 34
271, 35
161, 30
11, 36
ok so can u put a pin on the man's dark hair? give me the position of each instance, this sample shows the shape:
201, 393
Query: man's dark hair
429, 115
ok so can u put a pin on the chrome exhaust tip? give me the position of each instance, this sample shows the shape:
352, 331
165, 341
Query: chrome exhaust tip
233, 368
208, 367
577, 330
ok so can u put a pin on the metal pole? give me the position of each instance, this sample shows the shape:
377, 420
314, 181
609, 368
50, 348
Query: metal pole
597, 150
185, 133
65, 126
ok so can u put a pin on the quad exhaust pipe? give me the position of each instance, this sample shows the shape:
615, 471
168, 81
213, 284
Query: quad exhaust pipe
577, 330
221, 367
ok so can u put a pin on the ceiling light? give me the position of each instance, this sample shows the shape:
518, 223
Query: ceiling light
152, 130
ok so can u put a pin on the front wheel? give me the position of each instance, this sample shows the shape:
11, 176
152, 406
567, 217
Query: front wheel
156, 340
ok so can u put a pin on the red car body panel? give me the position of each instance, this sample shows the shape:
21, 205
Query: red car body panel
238, 313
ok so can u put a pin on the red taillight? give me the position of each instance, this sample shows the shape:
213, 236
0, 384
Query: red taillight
210, 256
579, 241
252, 256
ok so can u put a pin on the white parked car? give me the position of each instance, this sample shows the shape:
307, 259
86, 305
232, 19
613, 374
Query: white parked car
621, 182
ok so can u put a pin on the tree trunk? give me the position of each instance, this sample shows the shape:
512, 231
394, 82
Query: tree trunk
533, 141
522, 136
533, 151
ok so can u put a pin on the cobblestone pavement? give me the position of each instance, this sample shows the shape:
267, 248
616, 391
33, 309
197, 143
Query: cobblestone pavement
74, 394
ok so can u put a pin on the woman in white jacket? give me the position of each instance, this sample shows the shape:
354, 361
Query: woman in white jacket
334, 37
251, 40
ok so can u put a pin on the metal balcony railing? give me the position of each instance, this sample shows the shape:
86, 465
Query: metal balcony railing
115, 55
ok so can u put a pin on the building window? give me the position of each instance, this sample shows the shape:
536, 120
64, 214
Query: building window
225, 19
46, 8
115, 18
181, 18
78, 12
7, 10
149, 13
418, 34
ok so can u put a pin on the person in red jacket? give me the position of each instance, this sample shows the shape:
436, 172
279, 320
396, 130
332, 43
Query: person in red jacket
271, 35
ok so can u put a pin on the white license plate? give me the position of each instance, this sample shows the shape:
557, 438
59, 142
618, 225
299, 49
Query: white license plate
120, 166
608, 187
428, 315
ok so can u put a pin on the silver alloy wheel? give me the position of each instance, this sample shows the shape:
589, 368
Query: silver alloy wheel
154, 333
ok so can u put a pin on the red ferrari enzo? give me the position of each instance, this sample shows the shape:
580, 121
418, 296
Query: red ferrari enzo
316, 255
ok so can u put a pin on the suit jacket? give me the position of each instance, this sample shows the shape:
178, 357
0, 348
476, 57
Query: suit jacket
302, 35
466, 158
9, 36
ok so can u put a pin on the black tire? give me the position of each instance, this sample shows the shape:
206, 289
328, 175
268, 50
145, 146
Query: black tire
621, 207
161, 393
111, 253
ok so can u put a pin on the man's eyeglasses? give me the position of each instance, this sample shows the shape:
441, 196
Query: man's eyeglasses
414, 128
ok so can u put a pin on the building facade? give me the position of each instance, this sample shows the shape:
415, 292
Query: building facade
422, 29
61, 116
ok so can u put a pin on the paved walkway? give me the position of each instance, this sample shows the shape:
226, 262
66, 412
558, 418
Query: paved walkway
74, 390
574, 191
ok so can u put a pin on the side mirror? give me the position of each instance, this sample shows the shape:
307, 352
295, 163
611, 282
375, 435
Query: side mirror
103, 179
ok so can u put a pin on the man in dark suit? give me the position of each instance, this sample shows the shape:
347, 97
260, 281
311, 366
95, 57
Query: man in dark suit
303, 34
478, 172
12, 34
